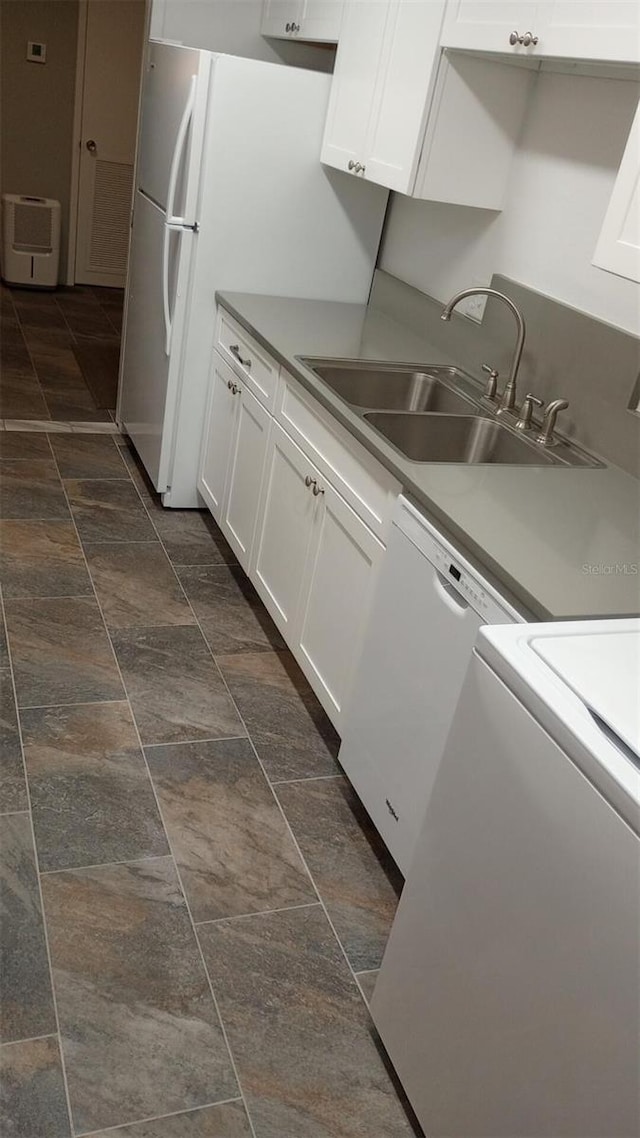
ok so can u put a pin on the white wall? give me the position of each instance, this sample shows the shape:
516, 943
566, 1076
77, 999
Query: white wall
560, 184
232, 26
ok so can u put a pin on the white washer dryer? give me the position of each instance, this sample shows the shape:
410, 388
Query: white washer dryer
509, 995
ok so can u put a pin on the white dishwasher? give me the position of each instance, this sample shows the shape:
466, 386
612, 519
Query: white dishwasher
428, 606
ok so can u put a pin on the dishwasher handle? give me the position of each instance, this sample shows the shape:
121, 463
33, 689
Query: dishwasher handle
449, 594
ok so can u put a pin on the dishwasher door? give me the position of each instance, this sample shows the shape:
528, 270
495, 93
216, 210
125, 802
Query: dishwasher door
421, 632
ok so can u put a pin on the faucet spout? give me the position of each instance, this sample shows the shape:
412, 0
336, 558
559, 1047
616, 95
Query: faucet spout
509, 394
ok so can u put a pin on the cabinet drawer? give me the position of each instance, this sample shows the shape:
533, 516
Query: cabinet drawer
368, 488
249, 360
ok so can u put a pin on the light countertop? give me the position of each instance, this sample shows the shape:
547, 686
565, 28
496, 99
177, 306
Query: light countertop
565, 542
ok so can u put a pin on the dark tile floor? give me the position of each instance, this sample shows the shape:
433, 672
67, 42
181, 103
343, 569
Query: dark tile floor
59, 353
194, 906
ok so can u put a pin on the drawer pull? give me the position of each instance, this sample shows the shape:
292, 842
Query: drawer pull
235, 351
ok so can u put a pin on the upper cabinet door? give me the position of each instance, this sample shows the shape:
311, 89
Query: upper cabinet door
487, 25
606, 30
354, 83
278, 16
321, 20
315, 20
618, 249
407, 74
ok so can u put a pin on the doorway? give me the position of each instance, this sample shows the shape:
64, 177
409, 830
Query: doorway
111, 36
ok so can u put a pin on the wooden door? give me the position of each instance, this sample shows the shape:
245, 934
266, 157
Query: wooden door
112, 74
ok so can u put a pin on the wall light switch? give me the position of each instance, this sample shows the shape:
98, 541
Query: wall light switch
36, 52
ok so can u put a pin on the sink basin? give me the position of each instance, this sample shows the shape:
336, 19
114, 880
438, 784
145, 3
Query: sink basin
456, 438
393, 388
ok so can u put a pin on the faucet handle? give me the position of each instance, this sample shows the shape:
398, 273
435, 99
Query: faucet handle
492, 382
545, 438
526, 411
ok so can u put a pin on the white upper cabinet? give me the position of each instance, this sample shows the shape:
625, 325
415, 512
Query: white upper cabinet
598, 30
486, 25
315, 20
618, 248
406, 115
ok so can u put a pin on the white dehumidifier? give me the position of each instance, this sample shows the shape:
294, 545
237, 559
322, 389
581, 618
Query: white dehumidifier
30, 240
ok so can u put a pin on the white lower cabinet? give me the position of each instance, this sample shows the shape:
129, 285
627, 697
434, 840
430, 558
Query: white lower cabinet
314, 567
338, 582
309, 552
284, 530
233, 458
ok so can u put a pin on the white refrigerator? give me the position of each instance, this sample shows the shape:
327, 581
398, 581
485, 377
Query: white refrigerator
230, 194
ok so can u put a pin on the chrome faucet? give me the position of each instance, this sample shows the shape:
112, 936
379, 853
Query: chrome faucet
508, 401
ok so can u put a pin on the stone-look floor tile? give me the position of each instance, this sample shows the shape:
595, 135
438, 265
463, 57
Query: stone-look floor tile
290, 730
108, 510
42, 559
229, 610
14, 354
136, 585
32, 1098
298, 1029
91, 796
88, 456
13, 790
24, 446
229, 1120
367, 982
21, 397
98, 358
26, 1003
31, 490
60, 652
191, 537
139, 1029
233, 849
174, 687
357, 879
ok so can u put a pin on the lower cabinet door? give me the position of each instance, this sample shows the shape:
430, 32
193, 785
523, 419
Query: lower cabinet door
218, 436
244, 480
286, 515
335, 599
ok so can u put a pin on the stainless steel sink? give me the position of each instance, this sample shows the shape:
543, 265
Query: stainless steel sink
394, 388
456, 438
438, 413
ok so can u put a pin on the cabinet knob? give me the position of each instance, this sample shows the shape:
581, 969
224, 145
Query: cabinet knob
309, 481
235, 351
229, 385
317, 489
235, 389
351, 164
526, 40
295, 27
287, 27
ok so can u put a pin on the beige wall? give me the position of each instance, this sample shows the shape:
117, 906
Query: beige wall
37, 102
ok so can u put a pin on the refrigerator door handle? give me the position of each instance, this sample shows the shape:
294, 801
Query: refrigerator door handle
172, 221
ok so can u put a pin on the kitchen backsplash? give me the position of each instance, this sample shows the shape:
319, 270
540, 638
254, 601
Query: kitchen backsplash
567, 355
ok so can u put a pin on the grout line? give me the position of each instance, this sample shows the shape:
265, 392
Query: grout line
156, 1117
80, 703
12, 813
171, 853
312, 778
259, 913
30, 1039
103, 864
193, 742
45, 930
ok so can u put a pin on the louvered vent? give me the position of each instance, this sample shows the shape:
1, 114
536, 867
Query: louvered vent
32, 228
110, 217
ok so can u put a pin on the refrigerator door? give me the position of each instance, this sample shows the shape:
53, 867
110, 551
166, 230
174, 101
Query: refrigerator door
175, 78
159, 266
